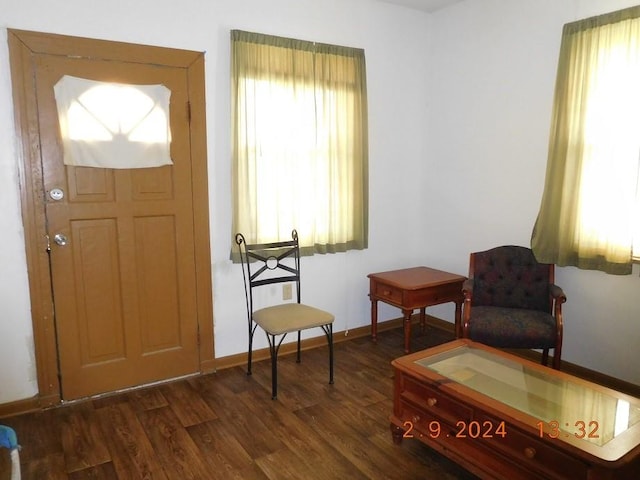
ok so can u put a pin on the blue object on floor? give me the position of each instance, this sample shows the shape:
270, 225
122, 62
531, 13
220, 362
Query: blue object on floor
8, 439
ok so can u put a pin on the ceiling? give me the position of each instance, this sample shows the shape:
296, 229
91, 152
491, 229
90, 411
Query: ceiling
424, 5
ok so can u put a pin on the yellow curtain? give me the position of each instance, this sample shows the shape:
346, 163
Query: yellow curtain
589, 208
300, 145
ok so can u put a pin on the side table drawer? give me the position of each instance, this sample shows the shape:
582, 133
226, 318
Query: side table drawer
435, 295
387, 292
536, 454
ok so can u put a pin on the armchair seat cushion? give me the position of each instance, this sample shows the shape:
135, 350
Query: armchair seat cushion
512, 327
290, 317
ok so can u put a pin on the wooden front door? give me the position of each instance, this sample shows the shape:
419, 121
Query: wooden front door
123, 245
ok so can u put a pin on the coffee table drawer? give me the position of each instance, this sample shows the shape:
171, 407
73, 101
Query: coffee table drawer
470, 452
435, 402
535, 454
421, 424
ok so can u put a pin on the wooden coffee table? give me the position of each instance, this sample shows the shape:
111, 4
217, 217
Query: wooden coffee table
504, 417
415, 288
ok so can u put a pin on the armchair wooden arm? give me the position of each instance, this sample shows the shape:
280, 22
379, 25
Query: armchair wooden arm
558, 299
467, 291
558, 294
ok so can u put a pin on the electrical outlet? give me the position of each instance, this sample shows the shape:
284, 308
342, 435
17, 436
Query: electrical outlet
287, 292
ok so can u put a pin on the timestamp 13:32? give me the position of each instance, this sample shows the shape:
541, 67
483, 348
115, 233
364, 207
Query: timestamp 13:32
580, 429
488, 429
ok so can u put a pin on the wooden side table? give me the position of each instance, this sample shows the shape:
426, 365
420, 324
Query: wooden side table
415, 288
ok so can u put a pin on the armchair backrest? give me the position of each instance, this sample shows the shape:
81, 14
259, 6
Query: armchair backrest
510, 276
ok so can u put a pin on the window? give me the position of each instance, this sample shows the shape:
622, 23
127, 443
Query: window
300, 152
590, 211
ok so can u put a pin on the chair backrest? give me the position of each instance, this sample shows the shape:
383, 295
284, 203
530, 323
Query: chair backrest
510, 276
269, 263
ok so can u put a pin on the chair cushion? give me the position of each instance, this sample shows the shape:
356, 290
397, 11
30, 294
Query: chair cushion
512, 327
290, 317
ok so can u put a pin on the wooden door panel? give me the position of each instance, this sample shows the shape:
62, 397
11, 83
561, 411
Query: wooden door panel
152, 185
156, 255
86, 184
97, 278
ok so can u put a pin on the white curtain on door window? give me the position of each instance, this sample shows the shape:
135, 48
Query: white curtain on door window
113, 125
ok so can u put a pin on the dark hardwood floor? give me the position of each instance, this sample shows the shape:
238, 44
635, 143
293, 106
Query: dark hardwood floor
225, 425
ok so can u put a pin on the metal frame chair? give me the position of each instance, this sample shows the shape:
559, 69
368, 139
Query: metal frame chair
271, 263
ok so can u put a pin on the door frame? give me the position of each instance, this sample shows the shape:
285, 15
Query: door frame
23, 45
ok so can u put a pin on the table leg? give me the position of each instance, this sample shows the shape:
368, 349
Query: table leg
407, 330
374, 319
397, 434
423, 319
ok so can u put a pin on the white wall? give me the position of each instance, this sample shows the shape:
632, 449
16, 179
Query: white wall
395, 40
493, 66
459, 106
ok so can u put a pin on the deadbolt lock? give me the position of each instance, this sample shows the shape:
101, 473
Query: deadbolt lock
56, 194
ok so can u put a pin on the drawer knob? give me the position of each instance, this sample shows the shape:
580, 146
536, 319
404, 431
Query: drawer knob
386, 292
432, 401
530, 452
415, 419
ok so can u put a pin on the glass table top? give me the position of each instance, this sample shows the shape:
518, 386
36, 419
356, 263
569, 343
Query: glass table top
561, 406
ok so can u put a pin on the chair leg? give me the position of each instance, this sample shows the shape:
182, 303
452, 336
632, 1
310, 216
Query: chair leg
273, 350
298, 353
250, 352
545, 356
328, 330
557, 352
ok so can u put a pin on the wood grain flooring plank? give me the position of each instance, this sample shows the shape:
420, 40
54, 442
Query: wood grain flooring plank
83, 443
146, 399
99, 472
298, 383
5, 464
285, 465
177, 453
223, 453
186, 403
133, 456
38, 434
236, 421
310, 449
364, 455
425, 463
49, 467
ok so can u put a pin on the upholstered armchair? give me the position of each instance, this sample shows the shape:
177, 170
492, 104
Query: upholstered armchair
511, 301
